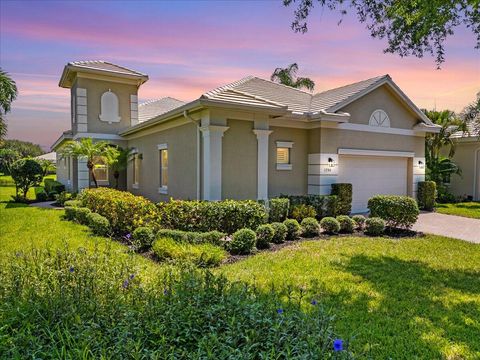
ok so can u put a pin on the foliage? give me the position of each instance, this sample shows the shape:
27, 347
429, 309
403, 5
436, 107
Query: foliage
293, 229
343, 192
143, 237
53, 187
40, 194
324, 205
280, 232
26, 173
202, 255
411, 27
347, 224
374, 226
265, 235
73, 203
118, 161
64, 196
426, 194
303, 211
278, 209
212, 237
444, 196
81, 215
471, 115
98, 223
441, 169
288, 76
226, 216
359, 221
330, 225
124, 211
397, 211
466, 209
47, 166
8, 93
243, 242
310, 227
25, 149
70, 212
7, 158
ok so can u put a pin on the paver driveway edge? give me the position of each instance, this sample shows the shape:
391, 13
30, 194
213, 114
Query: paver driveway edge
457, 227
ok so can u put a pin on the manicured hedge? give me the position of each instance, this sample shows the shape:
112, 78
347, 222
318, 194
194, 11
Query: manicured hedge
397, 211
426, 193
343, 191
278, 209
226, 216
324, 205
212, 237
124, 211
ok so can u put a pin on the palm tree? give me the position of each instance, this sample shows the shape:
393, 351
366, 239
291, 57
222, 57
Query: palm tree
471, 115
8, 93
118, 161
87, 149
288, 76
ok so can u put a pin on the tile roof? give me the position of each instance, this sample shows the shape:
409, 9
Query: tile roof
472, 132
153, 108
105, 66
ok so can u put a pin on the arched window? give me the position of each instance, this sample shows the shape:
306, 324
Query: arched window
109, 111
379, 118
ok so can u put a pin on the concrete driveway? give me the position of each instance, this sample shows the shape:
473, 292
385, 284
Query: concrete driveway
457, 227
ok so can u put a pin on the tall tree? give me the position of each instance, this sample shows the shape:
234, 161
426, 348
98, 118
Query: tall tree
471, 115
288, 76
8, 93
89, 150
411, 27
24, 148
118, 161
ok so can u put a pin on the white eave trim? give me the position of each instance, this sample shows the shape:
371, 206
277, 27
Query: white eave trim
98, 136
387, 153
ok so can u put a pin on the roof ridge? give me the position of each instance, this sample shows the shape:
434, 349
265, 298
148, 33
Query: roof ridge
87, 62
354, 83
289, 87
227, 86
158, 99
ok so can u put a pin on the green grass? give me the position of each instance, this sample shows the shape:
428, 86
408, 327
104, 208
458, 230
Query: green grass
7, 188
409, 298
467, 209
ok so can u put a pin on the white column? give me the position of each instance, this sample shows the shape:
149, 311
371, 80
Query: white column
322, 173
212, 161
81, 110
262, 163
83, 176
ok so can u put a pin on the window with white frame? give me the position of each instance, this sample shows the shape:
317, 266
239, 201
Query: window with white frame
163, 167
135, 170
100, 168
284, 149
379, 118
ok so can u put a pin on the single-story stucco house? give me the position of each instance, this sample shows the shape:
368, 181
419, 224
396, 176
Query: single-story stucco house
250, 139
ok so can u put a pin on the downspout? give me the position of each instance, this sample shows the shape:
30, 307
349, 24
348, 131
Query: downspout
188, 117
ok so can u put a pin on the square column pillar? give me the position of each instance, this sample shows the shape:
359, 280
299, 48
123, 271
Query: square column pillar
262, 163
82, 174
212, 161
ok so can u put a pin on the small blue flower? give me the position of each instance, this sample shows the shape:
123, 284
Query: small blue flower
72, 269
125, 284
338, 345
314, 302
128, 236
279, 311
131, 276
165, 292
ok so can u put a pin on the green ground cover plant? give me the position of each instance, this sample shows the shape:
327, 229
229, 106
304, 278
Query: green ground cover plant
465, 209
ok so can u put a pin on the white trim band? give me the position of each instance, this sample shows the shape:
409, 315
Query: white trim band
362, 152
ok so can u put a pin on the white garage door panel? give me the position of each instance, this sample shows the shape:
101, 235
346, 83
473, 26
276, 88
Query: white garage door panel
371, 175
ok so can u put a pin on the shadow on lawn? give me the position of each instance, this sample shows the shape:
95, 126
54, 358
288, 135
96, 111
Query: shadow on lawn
420, 309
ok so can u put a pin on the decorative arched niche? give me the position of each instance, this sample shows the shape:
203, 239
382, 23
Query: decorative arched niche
379, 118
109, 110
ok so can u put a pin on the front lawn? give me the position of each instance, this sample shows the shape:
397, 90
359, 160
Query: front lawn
408, 298
466, 209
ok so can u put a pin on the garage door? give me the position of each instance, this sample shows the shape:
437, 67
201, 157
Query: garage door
372, 175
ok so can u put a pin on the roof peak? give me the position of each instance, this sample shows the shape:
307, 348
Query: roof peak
376, 78
151, 101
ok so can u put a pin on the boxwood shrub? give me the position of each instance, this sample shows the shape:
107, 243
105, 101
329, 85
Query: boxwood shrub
330, 225
226, 216
70, 212
426, 194
310, 227
73, 203
98, 223
324, 205
143, 237
278, 209
374, 226
347, 224
303, 211
359, 221
81, 215
40, 194
344, 198
293, 229
243, 242
397, 211
265, 235
193, 237
280, 233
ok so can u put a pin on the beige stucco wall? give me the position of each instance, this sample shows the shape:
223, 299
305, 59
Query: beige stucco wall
381, 98
465, 158
239, 161
181, 143
292, 182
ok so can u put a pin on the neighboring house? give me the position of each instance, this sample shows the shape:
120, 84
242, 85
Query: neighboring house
467, 157
51, 156
250, 139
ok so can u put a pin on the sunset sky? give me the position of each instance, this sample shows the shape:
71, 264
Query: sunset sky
187, 48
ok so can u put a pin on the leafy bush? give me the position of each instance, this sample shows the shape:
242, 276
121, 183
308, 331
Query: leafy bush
73, 203
26, 173
301, 212
53, 187
210, 237
278, 209
81, 215
143, 237
347, 224
324, 205
359, 221
63, 197
397, 211
243, 242
374, 226
265, 235
444, 196
48, 310
70, 213
426, 194
203, 255
40, 194
330, 225
280, 233
226, 216
98, 223
344, 198
310, 227
124, 211
293, 229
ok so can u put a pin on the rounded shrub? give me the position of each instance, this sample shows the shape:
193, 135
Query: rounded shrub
265, 235
143, 237
243, 242
347, 225
359, 221
293, 229
81, 215
280, 232
73, 203
310, 227
300, 212
397, 211
330, 225
374, 226
98, 223
70, 213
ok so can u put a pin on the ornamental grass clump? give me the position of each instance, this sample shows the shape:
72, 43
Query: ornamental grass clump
310, 227
293, 229
330, 225
265, 235
280, 232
